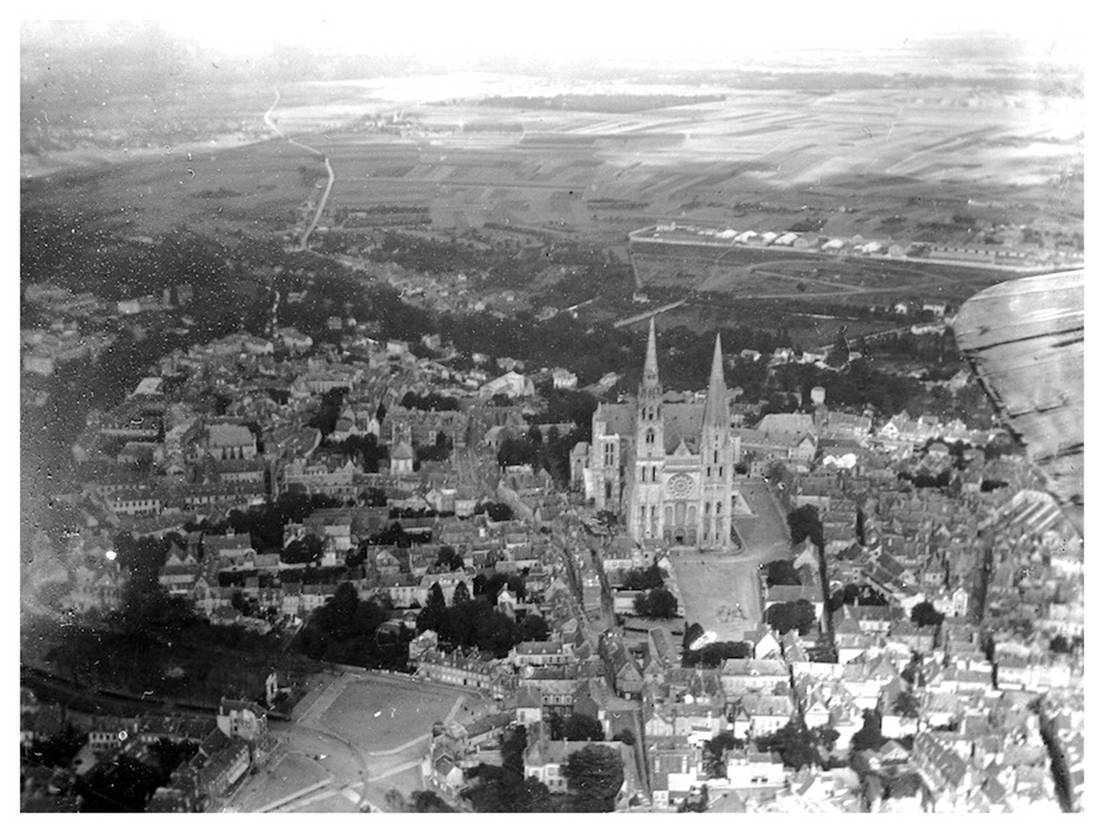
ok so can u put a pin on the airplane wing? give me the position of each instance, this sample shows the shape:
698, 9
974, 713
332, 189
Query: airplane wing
1024, 340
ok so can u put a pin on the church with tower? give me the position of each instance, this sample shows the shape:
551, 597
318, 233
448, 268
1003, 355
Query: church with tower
667, 466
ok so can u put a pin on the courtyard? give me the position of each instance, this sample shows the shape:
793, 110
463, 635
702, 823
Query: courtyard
720, 591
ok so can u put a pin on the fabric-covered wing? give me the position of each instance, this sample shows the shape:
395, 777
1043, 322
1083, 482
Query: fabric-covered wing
1024, 340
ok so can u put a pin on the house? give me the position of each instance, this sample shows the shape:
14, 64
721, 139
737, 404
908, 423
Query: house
697, 722
222, 762
528, 708
740, 676
557, 684
746, 769
762, 714
243, 719
403, 590
564, 379
229, 441
466, 670
540, 653
291, 339
544, 759
628, 676
914, 637
180, 573
676, 770
446, 775
943, 769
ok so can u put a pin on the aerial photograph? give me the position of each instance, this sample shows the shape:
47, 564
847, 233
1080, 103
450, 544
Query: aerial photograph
642, 409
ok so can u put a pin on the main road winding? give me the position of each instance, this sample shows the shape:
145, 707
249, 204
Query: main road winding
305, 236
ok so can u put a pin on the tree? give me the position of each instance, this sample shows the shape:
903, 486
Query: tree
373, 496
302, 550
582, 727
657, 604
125, 784
1060, 645
924, 614
427, 801
337, 615
799, 615
838, 355
906, 704
870, 735
432, 617
514, 583
533, 628
796, 745
691, 635
594, 775
826, 736
531, 797
626, 736
647, 579
782, 572
805, 524
395, 801
714, 654
715, 749
449, 558
461, 594
497, 512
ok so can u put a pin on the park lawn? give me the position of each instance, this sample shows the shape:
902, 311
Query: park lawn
405, 712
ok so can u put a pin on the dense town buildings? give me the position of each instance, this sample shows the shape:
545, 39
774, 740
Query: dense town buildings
914, 712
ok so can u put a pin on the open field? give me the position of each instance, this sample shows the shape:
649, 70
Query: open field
906, 155
761, 273
712, 586
377, 714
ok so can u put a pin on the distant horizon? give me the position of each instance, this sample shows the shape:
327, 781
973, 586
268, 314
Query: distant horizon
717, 37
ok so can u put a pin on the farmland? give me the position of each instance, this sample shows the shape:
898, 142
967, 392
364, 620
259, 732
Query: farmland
906, 155
518, 163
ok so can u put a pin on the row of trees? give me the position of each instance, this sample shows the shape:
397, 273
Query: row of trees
475, 622
798, 615
348, 629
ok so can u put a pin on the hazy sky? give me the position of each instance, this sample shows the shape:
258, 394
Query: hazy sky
572, 28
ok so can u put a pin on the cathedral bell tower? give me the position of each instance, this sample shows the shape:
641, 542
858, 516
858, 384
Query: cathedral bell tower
717, 460
645, 514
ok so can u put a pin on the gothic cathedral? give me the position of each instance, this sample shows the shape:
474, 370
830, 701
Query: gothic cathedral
668, 467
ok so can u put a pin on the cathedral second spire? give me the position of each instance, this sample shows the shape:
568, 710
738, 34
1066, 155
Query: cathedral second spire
651, 364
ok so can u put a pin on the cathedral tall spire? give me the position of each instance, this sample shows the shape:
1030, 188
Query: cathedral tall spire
651, 364
716, 401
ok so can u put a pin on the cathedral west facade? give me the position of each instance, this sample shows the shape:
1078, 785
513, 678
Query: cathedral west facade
667, 467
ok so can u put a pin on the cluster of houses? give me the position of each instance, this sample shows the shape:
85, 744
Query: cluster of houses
168, 455
950, 714
953, 730
228, 747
